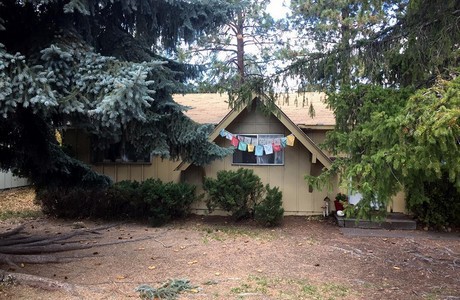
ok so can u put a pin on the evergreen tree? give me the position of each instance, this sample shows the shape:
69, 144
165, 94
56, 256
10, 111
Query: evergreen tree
98, 66
240, 57
332, 28
399, 140
391, 70
391, 43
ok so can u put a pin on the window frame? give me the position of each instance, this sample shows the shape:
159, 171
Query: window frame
112, 156
275, 135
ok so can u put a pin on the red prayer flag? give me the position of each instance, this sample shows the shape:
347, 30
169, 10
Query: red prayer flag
235, 141
276, 148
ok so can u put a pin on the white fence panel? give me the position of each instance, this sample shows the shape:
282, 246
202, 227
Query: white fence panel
8, 180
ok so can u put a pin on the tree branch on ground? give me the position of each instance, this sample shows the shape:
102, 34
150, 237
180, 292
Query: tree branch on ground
18, 246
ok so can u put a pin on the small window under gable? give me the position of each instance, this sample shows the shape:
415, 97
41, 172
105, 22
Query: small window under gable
241, 157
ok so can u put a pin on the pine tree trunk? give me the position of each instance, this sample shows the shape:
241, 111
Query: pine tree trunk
240, 47
345, 68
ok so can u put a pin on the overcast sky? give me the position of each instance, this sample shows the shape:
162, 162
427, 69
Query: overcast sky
277, 10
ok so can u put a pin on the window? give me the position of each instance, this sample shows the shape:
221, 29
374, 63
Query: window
115, 154
249, 158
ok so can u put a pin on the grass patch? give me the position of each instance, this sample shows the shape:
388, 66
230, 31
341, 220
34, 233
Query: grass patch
25, 214
292, 288
18, 203
222, 233
430, 297
314, 218
436, 293
243, 288
254, 284
309, 289
335, 290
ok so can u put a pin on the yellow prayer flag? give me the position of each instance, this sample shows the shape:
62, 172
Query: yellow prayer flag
290, 140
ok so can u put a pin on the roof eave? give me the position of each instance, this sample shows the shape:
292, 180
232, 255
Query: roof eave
316, 127
308, 143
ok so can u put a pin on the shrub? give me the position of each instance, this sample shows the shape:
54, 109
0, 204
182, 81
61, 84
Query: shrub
178, 198
437, 204
153, 200
236, 192
123, 199
152, 194
70, 202
167, 201
270, 211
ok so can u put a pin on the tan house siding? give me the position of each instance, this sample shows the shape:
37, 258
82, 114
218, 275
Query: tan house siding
162, 169
304, 158
79, 143
398, 203
158, 168
317, 136
297, 199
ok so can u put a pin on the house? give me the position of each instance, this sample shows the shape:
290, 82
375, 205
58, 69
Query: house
285, 168
8, 180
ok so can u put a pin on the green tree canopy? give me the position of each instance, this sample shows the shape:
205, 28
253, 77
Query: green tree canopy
391, 72
397, 140
389, 43
97, 66
240, 57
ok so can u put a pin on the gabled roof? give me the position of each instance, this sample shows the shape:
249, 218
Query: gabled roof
212, 108
317, 153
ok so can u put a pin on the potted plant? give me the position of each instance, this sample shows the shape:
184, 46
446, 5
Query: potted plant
340, 200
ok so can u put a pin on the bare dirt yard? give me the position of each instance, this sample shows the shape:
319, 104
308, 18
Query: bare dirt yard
302, 259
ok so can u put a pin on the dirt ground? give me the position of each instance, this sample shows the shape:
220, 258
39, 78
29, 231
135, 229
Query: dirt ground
302, 259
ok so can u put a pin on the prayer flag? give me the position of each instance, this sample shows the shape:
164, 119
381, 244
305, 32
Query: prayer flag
290, 140
235, 141
283, 142
242, 146
259, 150
268, 149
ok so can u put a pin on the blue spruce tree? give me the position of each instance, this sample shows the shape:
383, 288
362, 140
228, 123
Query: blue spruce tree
101, 67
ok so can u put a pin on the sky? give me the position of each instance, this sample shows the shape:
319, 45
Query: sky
277, 10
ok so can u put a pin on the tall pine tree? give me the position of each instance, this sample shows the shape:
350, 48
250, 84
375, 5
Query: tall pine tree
390, 43
240, 57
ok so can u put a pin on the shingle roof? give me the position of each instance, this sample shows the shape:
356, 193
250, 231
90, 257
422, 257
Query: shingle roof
212, 108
